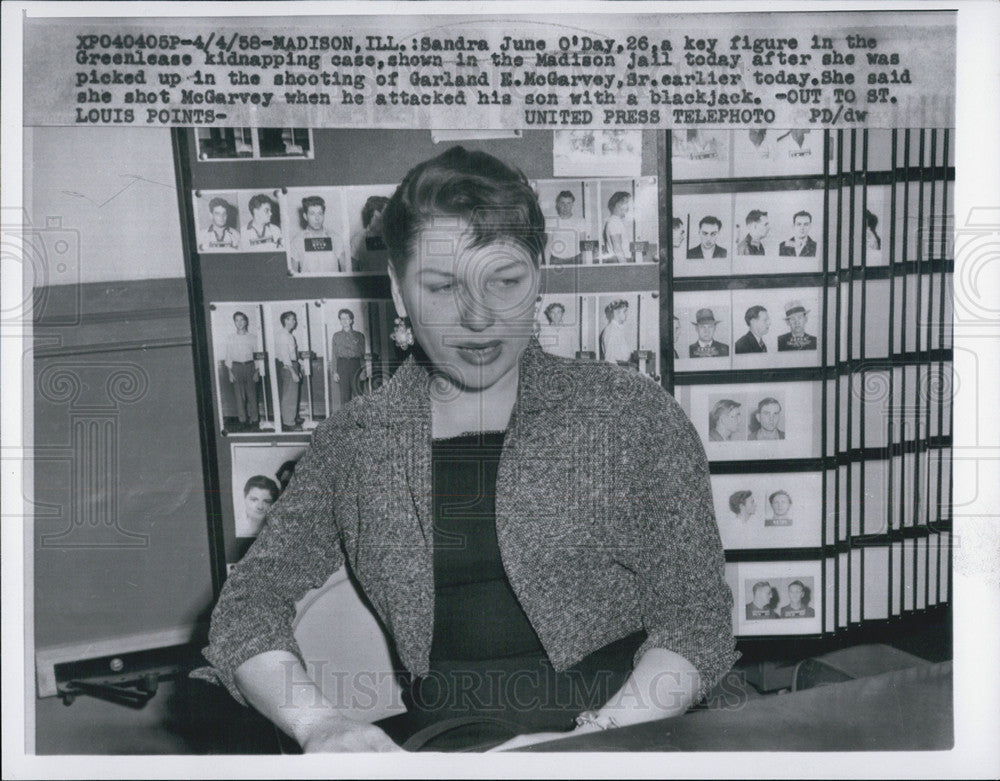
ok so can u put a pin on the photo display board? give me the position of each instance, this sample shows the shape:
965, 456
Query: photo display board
791, 288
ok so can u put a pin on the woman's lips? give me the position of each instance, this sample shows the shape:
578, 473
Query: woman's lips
479, 353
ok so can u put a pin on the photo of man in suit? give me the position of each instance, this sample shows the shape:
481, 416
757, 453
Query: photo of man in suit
760, 606
708, 235
757, 226
707, 346
758, 324
796, 315
801, 244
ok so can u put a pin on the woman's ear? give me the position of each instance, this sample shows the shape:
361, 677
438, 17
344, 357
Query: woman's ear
397, 297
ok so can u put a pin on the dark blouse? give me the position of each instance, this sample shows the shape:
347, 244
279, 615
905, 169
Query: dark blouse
486, 658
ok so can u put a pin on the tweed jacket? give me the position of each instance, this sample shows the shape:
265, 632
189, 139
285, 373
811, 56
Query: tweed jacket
604, 521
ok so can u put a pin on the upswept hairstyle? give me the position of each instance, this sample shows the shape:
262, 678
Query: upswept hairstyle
493, 198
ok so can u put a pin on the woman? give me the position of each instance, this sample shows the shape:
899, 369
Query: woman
347, 347
557, 585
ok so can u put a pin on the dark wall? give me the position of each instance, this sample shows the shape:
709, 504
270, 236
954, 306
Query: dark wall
121, 545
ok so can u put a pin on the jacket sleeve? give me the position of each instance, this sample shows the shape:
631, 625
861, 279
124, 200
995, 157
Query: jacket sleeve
673, 545
297, 550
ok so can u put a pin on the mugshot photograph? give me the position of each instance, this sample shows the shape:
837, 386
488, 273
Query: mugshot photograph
347, 351
317, 245
726, 422
799, 596
558, 324
767, 421
781, 506
288, 369
709, 230
702, 242
241, 373
801, 243
796, 317
707, 346
618, 228
262, 226
755, 230
218, 219
384, 490
776, 232
284, 142
618, 333
777, 152
698, 153
758, 322
765, 599
570, 217
224, 143
260, 472
629, 220
365, 207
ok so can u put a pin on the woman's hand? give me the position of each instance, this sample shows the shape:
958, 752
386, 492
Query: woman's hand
346, 736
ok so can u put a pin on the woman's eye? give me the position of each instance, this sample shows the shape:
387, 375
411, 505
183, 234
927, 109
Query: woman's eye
442, 288
507, 282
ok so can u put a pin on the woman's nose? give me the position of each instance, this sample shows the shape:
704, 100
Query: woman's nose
474, 311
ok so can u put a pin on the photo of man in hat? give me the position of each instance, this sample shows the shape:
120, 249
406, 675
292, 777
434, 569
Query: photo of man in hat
758, 323
708, 235
758, 226
796, 316
707, 346
801, 244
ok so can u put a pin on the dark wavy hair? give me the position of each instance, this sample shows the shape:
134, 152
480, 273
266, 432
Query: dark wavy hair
494, 198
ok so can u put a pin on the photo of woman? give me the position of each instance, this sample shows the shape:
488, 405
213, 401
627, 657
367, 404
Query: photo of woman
384, 490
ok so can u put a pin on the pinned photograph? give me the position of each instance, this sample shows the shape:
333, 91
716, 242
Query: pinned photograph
775, 152
364, 206
317, 244
261, 231
224, 143
796, 320
756, 511
705, 330
590, 153
241, 373
571, 217
702, 234
629, 220
299, 381
755, 421
778, 232
260, 473
558, 324
777, 327
778, 598
285, 142
217, 217
697, 153
361, 354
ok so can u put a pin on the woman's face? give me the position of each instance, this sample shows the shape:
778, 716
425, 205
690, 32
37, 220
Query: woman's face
346, 321
623, 206
749, 506
471, 308
256, 503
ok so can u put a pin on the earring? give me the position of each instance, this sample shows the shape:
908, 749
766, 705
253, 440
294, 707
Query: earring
402, 334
